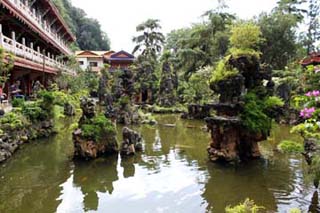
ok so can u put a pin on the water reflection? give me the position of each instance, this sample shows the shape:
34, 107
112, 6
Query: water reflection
172, 174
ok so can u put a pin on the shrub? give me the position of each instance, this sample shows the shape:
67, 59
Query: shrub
222, 71
272, 102
13, 121
253, 115
97, 128
248, 206
33, 111
288, 146
18, 102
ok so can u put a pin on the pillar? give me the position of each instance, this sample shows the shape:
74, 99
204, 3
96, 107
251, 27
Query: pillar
13, 36
24, 45
1, 36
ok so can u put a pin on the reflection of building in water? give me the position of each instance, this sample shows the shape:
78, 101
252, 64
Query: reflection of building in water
95, 176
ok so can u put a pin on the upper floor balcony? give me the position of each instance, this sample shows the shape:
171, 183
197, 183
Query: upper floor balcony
36, 21
46, 63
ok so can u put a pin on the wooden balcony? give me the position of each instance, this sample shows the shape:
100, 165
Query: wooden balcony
32, 59
30, 17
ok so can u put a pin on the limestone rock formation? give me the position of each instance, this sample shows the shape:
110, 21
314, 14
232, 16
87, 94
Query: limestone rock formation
231, 140
96, 135
197, 111
132, 142
167, 93
69, 109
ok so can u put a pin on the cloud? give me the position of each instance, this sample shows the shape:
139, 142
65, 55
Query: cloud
120, 17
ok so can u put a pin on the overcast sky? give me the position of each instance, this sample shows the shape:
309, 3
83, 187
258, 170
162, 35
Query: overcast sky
119, 18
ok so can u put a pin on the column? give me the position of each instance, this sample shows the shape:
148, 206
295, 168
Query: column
24, 47
13, 36
1, 36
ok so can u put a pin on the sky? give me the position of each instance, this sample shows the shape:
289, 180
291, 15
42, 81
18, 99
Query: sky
119, 18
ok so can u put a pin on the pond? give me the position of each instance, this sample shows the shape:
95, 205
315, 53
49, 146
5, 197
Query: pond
172, 174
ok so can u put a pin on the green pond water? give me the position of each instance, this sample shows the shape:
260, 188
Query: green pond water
172, 174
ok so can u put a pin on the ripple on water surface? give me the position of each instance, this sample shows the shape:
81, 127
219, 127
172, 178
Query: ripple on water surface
172, 174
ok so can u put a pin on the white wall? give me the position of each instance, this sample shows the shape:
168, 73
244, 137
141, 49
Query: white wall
86, 62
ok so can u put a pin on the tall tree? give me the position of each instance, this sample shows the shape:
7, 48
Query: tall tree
149, 44
312, 35
203, 44
150, 41
280, 45
87, 30
292, 7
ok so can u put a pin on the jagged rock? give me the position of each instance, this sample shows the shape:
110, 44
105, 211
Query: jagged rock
167, 97
69, 109
230, 139
132, 142
88, 109
197, 111
284, 92
89, 149
88, 143
230, 89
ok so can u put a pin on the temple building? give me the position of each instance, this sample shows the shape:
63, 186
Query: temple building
36, 34
312, 59
95, 60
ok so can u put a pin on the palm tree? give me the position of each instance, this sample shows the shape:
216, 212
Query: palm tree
150, 41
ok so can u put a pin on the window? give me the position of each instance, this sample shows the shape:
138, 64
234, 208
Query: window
93, 64
81, 63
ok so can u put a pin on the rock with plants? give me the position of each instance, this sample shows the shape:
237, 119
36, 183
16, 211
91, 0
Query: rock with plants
119, 105
168, 83
243, 113
132, 142
96, 135
27, 121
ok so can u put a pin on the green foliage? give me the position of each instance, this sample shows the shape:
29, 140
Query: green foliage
197, 89
280, 45
248, 206
309, 129
13, 121
6, 65
124, 101
273, 101
18, 102
201, 45
245, 36
295, 210
249, 53
98, 128
87, 30
222, 71
254, 117
288, 146
150, 41
34, 112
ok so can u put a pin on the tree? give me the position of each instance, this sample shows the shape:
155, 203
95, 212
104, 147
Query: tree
245, 36
203, 44
87, 30
313, 22
6, 65
150, 41
197, 90
279, 32
292, 7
